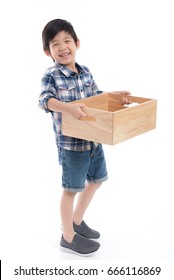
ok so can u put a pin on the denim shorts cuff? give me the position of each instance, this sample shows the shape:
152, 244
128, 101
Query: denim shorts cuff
98, 180
73, 189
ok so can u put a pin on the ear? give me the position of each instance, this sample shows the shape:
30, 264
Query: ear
78, 44
47, 53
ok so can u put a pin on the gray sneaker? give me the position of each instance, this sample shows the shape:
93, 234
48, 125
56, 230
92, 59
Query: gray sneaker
79, 245
86, 231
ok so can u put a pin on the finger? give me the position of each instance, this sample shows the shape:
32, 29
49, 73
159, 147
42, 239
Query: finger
125, 101
82, 117
82, 114
82, 105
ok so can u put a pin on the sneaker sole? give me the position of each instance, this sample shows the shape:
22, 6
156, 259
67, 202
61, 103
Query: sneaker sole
67, 250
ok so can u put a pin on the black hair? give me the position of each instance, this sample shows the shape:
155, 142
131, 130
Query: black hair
53, 27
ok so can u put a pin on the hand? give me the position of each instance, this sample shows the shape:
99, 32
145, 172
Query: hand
125, 101
76, 110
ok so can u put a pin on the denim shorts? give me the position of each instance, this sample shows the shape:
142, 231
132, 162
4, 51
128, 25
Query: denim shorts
77, 167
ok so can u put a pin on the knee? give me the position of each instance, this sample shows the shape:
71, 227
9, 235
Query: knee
97, 185
94, 185
69, 194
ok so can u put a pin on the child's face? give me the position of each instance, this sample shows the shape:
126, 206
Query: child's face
63, 49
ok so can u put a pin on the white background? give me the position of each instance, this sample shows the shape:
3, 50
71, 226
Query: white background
128, 45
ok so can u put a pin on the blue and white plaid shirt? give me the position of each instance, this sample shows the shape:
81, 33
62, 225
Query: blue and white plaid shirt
61, 83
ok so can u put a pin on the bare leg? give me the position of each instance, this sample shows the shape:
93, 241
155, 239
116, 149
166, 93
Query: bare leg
83, 201
66, 212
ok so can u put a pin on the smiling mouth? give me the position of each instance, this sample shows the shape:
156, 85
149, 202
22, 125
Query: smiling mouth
64, 54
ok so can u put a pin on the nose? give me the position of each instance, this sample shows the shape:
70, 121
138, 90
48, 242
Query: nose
62, 46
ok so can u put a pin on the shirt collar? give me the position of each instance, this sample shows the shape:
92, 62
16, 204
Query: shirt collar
67, 72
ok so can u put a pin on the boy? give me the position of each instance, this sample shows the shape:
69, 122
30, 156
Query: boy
81, 160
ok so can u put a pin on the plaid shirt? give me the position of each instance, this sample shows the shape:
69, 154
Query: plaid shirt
61, 83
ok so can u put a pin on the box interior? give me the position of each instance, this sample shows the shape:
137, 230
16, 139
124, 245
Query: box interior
111, 102
106, 102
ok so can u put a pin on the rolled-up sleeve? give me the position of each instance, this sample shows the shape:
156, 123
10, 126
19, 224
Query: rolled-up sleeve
48, 90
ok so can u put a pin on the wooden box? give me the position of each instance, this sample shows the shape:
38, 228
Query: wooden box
110, 122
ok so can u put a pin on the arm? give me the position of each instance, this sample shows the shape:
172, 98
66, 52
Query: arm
74, 109
48, 100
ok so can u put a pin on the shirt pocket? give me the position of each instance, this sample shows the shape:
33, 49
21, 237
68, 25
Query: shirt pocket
67, 92
88, 89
